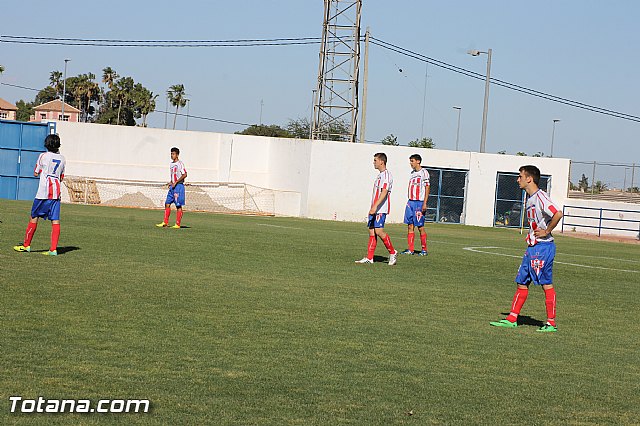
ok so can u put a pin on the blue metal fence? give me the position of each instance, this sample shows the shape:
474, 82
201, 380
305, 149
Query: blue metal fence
600, 218
20, 145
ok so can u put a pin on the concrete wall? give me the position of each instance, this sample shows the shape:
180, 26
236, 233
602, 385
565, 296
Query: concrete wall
320, 179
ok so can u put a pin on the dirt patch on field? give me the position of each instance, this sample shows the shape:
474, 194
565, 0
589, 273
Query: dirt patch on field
613, 238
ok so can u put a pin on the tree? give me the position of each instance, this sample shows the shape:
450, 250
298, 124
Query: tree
539, 154
1, 69
145, 102
47, 94
390, 140
572, 187
334, 130
177, 98
55, 78
273, 131
600, 187
521, 154
422, 143
109, 77
25, 110
503, 152
123, 92
300, 128
583, 183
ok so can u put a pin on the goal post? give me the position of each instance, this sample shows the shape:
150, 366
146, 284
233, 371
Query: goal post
218, 197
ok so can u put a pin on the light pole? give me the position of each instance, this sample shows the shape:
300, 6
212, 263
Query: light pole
553, 134
624, 185
485, 110
64, 87
458, 131
187, 126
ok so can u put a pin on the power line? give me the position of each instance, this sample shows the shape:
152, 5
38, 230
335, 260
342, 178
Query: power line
498, 82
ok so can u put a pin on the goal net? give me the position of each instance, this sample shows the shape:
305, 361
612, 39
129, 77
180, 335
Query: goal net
220, 197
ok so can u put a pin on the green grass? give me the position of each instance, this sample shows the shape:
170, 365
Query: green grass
253, 320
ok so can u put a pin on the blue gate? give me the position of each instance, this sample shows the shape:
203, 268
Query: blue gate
20, 145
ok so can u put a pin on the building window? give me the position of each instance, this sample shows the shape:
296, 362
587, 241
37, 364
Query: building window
43, 116
61, 118
446, 195
3, 114
510, 199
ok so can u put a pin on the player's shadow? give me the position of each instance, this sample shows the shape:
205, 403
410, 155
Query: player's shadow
527, 320
184, 227
67, 249
380, 258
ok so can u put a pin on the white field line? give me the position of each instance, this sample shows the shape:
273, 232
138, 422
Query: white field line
477, 250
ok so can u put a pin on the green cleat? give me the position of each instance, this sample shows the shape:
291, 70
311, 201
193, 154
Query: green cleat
22, 248
162, 225
548, 328
50, 253
504, 323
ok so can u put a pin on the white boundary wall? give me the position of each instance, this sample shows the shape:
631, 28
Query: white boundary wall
319, 179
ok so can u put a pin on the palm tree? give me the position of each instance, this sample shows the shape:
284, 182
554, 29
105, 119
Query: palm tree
177, 98
109, 77
123, 90
1, 69
145, 102
55, 78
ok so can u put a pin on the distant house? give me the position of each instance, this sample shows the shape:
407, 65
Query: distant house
7, 110
53, 111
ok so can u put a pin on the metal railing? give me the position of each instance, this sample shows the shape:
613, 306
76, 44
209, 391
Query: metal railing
601, 219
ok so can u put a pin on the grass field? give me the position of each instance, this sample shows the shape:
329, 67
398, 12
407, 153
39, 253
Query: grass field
267, 321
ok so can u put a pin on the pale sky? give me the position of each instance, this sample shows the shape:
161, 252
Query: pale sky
581, 50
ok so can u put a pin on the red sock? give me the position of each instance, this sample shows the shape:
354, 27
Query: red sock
373, 242
423, 241
55, 235
387, 243
178, 217
411, 236
28, 236
518, 300
167, 213
550, 303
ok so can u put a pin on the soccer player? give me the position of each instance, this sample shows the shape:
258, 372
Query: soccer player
46, 205
543, 216
380, 204
417, 204
175, 194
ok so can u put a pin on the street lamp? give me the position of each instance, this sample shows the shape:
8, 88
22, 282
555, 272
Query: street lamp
458, 131
187, 125
64, 87
553, 133
485, 111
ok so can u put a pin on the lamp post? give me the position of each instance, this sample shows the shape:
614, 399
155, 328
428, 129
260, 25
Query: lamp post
553, 134
187, 125
485, 110
458, 131
624, 185
64, 87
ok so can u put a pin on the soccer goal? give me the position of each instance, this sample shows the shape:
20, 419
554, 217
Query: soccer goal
219, 197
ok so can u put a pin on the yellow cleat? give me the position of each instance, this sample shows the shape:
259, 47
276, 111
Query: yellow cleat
162, 225
176, 226
50, 253
22, 248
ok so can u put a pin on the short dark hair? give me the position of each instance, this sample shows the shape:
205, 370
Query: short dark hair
52, 143
532, 171
381, 156
416, 157
176, 150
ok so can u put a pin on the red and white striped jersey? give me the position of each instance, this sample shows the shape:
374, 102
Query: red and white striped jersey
383, 181
50, 166
418, 183
540, 210
176, 169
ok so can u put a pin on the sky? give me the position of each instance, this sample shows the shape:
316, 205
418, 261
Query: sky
581, 50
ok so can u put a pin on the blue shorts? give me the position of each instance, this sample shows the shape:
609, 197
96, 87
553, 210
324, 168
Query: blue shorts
537, 264
46, 209
413, 213
176, 195
376, 220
